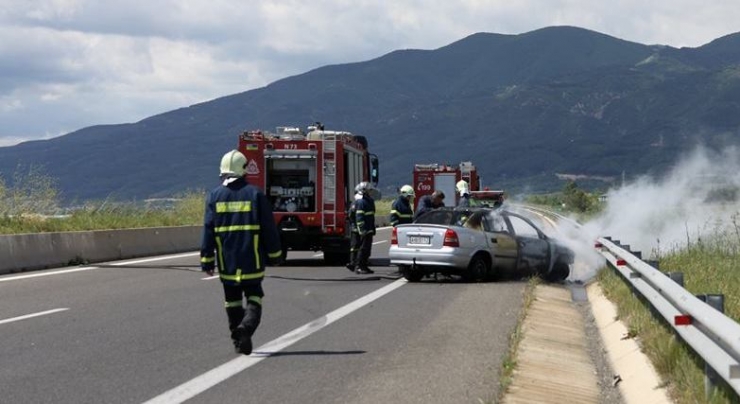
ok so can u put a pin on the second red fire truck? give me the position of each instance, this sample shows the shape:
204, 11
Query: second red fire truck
309, 178
444, 177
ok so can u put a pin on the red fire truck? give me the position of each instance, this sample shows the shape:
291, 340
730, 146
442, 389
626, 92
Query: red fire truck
444, 177
309, 178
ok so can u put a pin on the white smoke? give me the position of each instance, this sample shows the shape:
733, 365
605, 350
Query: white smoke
695, 200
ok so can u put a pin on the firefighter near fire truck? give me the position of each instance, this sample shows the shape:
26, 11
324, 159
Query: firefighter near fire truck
238, 225
363, 219
401, 210
309, 178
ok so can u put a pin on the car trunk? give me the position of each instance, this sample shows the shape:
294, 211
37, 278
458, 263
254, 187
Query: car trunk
422, 237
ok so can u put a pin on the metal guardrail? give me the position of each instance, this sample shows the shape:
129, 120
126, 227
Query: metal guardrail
713, 335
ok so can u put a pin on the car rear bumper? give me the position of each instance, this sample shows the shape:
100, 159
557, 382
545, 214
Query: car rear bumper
442, 258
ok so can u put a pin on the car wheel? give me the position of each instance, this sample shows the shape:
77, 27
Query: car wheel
559, 273
478, 269
411, 274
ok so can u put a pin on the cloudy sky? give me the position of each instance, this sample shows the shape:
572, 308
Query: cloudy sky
68, 64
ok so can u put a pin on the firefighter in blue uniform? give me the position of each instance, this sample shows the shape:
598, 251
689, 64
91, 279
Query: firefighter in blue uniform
240, 228
401, 211
363, 230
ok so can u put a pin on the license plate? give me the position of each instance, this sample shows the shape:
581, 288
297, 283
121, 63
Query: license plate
420, 240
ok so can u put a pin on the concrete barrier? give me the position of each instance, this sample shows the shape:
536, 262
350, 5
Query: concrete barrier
22, 252
25, 252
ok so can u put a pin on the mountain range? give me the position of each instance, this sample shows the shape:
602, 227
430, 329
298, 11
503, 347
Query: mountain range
529, 110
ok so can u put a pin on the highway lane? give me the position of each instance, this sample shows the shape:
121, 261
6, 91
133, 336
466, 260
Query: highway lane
133, 332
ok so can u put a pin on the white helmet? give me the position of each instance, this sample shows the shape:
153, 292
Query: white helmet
363, 187
233, 164
462, 187
407, 191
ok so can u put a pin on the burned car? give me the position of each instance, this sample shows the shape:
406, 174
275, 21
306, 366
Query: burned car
477, 244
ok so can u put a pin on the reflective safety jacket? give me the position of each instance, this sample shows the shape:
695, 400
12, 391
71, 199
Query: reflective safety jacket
365, 215
401, 212
239, 226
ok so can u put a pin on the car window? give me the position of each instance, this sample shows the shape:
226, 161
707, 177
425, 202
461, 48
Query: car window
475, 221
522, 228
495, 223
444, 217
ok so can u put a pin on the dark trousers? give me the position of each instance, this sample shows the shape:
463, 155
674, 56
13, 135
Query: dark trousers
361, 248
250, 317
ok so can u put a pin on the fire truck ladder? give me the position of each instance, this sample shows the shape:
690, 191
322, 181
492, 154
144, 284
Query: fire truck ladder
329, 214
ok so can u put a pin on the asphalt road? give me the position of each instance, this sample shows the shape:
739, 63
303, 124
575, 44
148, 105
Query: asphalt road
155, 329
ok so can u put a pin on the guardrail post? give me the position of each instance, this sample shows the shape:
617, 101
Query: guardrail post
676, 277
653, 263
711, 378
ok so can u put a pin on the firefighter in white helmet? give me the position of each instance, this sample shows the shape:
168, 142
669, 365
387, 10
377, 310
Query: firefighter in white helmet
464, 190
239, 227
363, 230
401, 211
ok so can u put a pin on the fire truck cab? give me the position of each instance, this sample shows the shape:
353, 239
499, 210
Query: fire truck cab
309, 178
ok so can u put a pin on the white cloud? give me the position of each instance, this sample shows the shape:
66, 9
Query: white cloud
72, 61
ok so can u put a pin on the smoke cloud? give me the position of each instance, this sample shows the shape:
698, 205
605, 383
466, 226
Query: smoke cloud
695, 201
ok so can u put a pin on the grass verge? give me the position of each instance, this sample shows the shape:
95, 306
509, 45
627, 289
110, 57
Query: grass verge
186, 210
708, 267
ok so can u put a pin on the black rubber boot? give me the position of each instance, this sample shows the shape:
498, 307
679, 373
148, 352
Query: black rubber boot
248, 326
235, 315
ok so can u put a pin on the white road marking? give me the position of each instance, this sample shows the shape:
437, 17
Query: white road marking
318, 254
64, 271
217, 375
208, 278
67, 271
380, 242
27, 316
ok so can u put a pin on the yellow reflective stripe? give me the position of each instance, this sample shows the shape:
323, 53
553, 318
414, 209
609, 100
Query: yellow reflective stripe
253, 276
360, 211
369, 213
235, 303
394, 211
219, 250
275, 254
242, 277
232, 207
256, 243
207, 260
255, 299
244, 227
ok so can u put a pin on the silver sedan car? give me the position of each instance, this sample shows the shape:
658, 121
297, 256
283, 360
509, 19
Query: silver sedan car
477, 244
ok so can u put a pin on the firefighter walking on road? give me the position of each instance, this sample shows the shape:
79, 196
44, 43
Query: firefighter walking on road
363, 230
239, 227
401, 211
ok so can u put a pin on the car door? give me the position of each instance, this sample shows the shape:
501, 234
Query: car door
534, 249
501, 241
